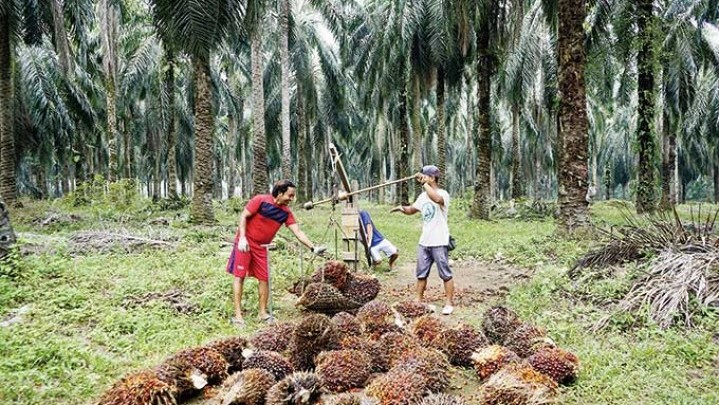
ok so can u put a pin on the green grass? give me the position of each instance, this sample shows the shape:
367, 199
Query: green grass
81, 333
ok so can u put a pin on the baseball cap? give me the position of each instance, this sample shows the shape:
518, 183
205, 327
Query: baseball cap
430, 170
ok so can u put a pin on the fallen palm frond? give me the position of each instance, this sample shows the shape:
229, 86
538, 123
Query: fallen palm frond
645, 237
676, 286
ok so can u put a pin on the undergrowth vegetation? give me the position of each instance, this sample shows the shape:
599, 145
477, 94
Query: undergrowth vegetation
74, 321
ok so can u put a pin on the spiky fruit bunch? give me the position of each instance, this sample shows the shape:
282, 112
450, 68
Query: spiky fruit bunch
397, 387
426, 329
518, 385
441, 399
459, 343
411, 309
375, 313
498, 323
525, 338
247, 387
429, 363
348, 399
559, 364
298, 288
333, 272
299, 388
275, 337
325, 298
488, 360
269, 361
342, 370
231, 349
378, 357
315, 333
142, 388
396, 344
192, 369
362, 288
347, 324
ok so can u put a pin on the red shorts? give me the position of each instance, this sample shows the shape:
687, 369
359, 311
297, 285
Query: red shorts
249, 264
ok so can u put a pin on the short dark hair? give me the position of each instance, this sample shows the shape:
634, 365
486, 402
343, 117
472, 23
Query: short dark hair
281, 186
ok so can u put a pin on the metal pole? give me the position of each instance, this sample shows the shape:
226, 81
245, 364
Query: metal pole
268, 247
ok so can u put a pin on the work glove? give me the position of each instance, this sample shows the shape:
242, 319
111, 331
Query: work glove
242, 245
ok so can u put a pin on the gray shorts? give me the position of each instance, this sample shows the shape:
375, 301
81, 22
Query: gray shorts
434, 254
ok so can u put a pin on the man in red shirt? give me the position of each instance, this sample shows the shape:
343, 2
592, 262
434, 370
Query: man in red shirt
260, 220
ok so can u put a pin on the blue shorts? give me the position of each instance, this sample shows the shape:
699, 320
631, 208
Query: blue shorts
427, 255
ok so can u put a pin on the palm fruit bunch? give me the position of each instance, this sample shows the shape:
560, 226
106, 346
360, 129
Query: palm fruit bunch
527, 339
298, 288
333, 272
378, 358
518, 385
347, 324
441, 399
426, 329
411, 309
395, 345
325, 298
247, 387
362, 288
397, 387
274, 338
314, 333
269, 361
141, 388
498, 323
299, 388
459, 343
560, 365
231, 349
192, 369
429, 363
488, 360
377, 318
342, 370
348, 399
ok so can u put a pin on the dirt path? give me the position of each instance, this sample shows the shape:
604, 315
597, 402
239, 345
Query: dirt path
477, 285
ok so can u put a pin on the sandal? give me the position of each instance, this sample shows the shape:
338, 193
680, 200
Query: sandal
240, 323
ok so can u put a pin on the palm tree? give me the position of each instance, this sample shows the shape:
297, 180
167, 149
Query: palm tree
253, 24
9, 20
109, 31
573, 124
187, 22
284, 16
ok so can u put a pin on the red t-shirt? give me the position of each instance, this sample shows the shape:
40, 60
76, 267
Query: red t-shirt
266, 219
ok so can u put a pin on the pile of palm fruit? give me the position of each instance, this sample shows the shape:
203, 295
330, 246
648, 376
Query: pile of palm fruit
398, 354
333, 288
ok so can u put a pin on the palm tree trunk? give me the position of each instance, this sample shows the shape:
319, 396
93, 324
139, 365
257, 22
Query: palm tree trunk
285, 88
441, 130
573, 132
62, 46
259, 144
402, 162
201, 208
716, 181
171, 124
483, 188
668, 159
303, 158
416, 130
108, 34
516, 183
645, 125
129, 156
8, 188
231, 155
